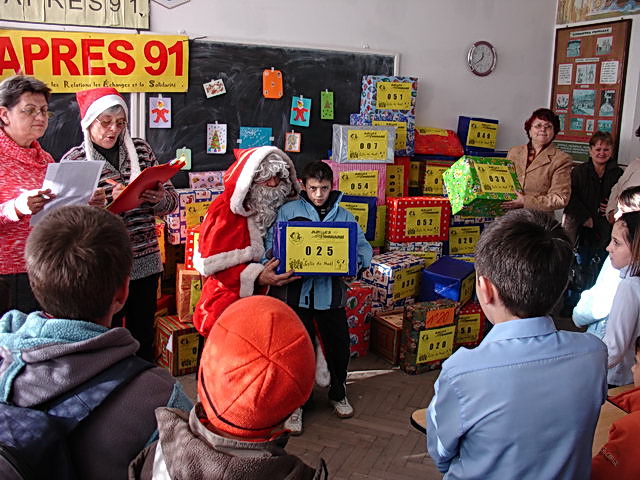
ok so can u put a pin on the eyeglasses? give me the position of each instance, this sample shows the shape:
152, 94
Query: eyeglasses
35, 111
542, 126
107, 123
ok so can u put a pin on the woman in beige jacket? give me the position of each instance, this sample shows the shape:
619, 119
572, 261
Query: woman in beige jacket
544, 171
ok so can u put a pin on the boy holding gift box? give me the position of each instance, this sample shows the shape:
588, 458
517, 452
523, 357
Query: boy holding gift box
525, 402
321, 298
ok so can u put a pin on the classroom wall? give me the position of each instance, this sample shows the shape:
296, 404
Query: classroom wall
431, 37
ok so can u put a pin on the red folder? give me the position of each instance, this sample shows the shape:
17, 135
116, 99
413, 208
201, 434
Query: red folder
148, 179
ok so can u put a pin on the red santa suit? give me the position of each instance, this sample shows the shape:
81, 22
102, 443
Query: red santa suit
231, 247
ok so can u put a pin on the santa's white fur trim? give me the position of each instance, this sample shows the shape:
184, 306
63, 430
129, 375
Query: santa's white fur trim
99, 106
221, 261
248, 279
245, 179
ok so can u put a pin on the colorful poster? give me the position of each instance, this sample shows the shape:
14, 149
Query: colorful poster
72, 61
216, 137
255, 137
159, 112
573, 11
292, 141
326, 105
300, 111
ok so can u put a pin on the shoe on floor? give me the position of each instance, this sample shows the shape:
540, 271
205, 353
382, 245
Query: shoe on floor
294, 422
342, 408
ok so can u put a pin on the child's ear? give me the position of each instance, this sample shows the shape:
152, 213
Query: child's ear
120, 296
485, 290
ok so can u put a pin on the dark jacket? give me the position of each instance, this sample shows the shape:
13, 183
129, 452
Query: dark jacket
187, 449
588, 191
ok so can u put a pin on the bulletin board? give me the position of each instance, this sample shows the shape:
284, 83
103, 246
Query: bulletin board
590, 66
306, 72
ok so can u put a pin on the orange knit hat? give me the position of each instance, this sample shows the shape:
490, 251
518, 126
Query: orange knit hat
257, 367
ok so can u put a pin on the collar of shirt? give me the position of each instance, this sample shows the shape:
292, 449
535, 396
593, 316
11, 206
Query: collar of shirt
521, 328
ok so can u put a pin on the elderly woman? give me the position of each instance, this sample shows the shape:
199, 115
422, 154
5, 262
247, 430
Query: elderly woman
104, 122
544, 171
24, 116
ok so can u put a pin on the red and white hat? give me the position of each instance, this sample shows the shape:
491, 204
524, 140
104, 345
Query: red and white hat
92, 103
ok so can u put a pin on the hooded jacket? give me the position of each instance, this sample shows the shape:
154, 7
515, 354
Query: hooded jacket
42, 358
230, 246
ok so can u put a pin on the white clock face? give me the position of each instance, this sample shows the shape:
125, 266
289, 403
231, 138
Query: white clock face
482, 59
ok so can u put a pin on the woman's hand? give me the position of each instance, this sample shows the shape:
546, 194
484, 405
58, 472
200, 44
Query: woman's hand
117, 190
99, 198
30, 202
153, 196
514, 204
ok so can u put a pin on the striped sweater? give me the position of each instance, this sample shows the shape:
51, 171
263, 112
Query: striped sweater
20, 168
140, 221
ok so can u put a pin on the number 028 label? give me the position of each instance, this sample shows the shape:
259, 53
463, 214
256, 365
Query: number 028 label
435, 344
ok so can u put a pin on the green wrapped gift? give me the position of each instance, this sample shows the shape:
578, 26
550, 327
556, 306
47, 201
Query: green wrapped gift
477, 186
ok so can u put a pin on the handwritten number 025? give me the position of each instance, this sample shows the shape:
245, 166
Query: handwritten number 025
308, 250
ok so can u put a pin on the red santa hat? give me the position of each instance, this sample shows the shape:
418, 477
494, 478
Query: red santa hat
254, 374
92, 103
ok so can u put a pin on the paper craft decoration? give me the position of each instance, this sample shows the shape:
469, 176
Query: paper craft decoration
159, 112
184, 155
300, 111
148, 178
292, 141
216, 137
255, 136
272, 83
214, 88
326, 105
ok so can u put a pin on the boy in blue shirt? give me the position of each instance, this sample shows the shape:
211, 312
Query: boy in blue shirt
321, 298
523, 404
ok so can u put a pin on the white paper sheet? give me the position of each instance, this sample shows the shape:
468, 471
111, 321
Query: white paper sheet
73, 183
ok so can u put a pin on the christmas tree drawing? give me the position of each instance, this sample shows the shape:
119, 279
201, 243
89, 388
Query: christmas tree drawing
215, 142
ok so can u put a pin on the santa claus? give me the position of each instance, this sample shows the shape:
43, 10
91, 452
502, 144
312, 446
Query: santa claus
231, 244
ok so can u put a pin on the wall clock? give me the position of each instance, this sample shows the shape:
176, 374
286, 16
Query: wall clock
482, 58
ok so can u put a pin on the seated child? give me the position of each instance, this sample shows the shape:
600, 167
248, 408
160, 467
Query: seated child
618, 458
523, 404
321, 298
250, 381
78, 261
623, 326
592, 311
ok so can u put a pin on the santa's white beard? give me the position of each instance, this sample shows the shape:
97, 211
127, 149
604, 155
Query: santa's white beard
265, 201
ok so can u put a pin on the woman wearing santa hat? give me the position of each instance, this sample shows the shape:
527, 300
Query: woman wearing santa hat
104, 116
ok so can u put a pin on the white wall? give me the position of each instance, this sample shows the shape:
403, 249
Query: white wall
432, 38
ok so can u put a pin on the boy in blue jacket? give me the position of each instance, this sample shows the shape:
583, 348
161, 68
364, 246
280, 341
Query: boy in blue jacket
321, 298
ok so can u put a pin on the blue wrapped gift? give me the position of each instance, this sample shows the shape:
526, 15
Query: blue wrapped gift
478, 133
448, 278
364, 210
317, 248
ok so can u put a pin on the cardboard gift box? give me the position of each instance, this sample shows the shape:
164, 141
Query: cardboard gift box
465, 258
388, 94
364, 211
429, 251
360, 179
316, 248
398, 177
448, 278
394, 276
437, 141
165, 305
176, 345
160, 227
477, 186
463, 239
192, 207
427, 338
378, 307
188, 290
477, 133
358, 309
193, 235
405, 128
212, 179
362, 144
418, 219
470, 325
417, 171
434, 168
381, 227
386, 329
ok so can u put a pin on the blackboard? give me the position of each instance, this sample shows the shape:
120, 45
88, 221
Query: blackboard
64, 131
305, 71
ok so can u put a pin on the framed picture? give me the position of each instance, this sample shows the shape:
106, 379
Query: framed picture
292, 141
590, 66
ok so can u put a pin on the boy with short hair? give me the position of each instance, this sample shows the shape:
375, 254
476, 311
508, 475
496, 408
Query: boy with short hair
78, 262
524, 403
618, 458
321, 298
